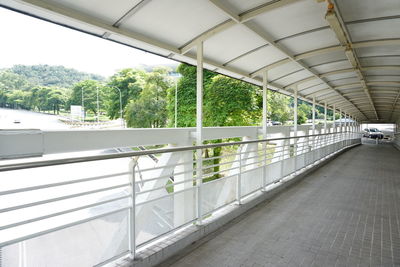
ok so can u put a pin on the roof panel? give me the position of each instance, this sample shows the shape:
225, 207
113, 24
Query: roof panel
383, 29
376, 61
314, 89
241, 6
283, 70
235, 41
378, 51
340, 76
304, 16
259, 59
311, 41
325, 58
344, 81
395, 78
375, 72
105, 10
292, 78
310, 84
336, 65
175, 22
365, 9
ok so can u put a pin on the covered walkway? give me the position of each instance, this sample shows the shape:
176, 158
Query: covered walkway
344, 214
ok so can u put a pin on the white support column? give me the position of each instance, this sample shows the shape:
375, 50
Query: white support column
313, 115
334, 118
264, 125
295, 111
199, 128
340, 121
295, 127
313, 127
345, 128
325, 118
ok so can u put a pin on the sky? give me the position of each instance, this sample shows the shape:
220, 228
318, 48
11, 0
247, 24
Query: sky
30, 41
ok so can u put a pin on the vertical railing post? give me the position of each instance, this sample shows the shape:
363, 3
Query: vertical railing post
199, 129
313, 129
239, 179
295, 128
325, 118
345, 130
264, 127
132, 209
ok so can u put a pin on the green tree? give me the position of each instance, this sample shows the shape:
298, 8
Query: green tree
279, 107
130, 82
304, 111
149, 109
230, 102
186, 94
87, 90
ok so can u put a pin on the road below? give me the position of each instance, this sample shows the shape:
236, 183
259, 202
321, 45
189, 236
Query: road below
29, 120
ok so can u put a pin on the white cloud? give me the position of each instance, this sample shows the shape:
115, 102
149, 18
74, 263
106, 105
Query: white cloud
30, 41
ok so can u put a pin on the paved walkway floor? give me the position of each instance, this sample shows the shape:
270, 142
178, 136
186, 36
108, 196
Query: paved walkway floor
346, 213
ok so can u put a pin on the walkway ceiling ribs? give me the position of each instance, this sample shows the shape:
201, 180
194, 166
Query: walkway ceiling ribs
343, 52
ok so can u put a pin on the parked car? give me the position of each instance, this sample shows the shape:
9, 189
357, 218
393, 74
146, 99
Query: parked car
373, 133
273, 123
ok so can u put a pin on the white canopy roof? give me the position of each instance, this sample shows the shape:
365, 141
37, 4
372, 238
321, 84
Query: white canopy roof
346, 54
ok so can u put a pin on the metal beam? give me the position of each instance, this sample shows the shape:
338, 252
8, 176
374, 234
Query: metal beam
256, 29
270, 5
245, 54
233, 20
99, 24
228, 10
335, 21
206, 35
130, 12
394, 105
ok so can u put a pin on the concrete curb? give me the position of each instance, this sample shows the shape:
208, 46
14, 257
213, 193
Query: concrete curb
179, 243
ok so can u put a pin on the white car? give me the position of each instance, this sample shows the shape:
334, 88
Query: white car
373, 133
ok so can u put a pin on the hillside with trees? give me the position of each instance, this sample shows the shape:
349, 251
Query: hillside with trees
39, 87
53, 76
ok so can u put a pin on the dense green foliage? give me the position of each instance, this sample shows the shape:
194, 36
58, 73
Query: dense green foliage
147, 97
149, 108
85, 93
130, 83
53, 76
39, 87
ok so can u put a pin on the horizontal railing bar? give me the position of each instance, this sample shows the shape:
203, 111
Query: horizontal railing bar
13, 241
220, 179
163, 176
211, 174
62, 212
63, 161
217, 157
168, 195
205, 167
62, 198
167, 165
164, 186
14, 191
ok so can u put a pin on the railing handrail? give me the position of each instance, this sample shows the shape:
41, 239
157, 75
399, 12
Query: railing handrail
71, 160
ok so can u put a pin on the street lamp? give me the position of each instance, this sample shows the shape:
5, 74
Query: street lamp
83, 108
120, 106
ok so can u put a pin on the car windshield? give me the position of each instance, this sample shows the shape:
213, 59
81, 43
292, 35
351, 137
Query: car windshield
374, 130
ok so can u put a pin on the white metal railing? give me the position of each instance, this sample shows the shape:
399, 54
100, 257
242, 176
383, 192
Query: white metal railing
126, 212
